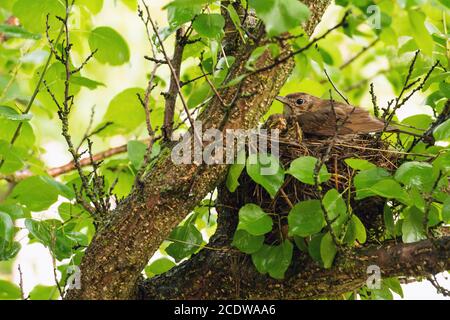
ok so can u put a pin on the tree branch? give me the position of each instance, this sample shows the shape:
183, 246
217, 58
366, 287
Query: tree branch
232, 275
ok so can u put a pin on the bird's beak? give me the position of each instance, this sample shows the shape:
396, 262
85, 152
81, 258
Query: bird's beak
282, 99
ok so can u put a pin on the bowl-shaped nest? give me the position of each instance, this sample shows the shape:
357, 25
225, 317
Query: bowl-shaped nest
367, 147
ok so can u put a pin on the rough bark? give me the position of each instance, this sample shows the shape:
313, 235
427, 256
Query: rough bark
232, 275
225, 273
118, 253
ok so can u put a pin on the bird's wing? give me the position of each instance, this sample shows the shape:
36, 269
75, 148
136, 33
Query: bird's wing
357, 120
321, 122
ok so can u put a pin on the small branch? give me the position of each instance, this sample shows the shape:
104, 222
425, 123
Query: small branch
84, 63
151, 133
335, 88
359, 54
298, 51
428, 203
376, 108
158, 61
440, 289
185, 83
399, 102
173, 71
212, 86
22, 293
174, 86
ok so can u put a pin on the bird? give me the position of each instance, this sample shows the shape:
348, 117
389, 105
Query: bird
320, 117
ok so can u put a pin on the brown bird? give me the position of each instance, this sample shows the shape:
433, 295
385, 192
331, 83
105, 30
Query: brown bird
322, 117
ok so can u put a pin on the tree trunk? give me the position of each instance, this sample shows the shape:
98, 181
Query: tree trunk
119, 252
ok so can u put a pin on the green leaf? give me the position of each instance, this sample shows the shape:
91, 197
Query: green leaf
159, 266
360, 230
394, 285
416, 174
10, 156
413, 228
131, 4
247, 242
334, 204
136, 152
420, 32
9, 291
234, 16
6, 227
8, 250
13, 210
112, 47
446, 210
389, 220
125, 113
303, 170
280, 15
8, 247
443, 162
266, 170
209, 25
359, 164
274, 259
442, 132
233, 176
33, 14
306, 218
187, 3
41, 292
11, 114
18, 32
177, 16
94, 6
254, 220
390, 189
186, 240
328, 250
314, 246
36, 193
445, 3
381, 294
367, 178
355, 231
86, 82
40, 230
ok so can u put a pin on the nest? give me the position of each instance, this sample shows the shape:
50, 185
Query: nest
368, 147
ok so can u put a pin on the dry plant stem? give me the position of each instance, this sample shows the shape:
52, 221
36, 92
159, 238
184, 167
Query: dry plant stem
399, 102
22, 294
325, 157
151, 133
211, 85
174, 86
309, 45
359, 54
169, 63
95, 193
428, 203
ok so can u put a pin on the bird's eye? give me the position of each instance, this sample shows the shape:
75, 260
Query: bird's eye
300, 101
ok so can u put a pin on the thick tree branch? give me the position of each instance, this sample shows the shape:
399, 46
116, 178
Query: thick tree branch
232, 275
226, 273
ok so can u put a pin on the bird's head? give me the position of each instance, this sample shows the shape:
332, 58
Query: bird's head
298, 102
